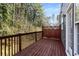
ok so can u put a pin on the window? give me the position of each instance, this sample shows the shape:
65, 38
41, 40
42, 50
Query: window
77, 12
78, 38
77, 21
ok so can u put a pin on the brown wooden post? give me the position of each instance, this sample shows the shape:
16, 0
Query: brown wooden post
19, 42
5, 48
42, 32
14, 45
9, 46
1, 46
35, 37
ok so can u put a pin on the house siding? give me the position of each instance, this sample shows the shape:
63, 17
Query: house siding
63, 18
64, 9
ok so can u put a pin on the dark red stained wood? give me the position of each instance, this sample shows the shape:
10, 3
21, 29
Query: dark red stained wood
44, 47
52, 32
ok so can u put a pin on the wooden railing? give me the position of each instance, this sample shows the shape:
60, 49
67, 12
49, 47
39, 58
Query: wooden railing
9, 45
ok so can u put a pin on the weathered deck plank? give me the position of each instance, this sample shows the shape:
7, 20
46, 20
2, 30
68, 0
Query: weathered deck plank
44, 47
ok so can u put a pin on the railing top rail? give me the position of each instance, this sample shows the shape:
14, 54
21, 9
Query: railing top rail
19, 34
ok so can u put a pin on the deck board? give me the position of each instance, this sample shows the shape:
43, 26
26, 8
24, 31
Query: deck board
44, 47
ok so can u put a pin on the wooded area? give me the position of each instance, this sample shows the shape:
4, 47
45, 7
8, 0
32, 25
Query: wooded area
20, 17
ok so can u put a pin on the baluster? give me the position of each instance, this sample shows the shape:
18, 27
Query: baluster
5, 47
12, 46
1, 46
42, 34
19, 42
9, 46
35, 37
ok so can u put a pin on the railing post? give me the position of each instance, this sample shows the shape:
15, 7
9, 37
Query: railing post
19, 42
35, 37
1, 47
42, 32
5, 48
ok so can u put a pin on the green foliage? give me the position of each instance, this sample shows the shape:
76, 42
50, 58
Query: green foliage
15, 18
34, 13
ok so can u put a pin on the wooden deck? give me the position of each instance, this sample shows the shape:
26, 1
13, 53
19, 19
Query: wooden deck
49, 43
44, 47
